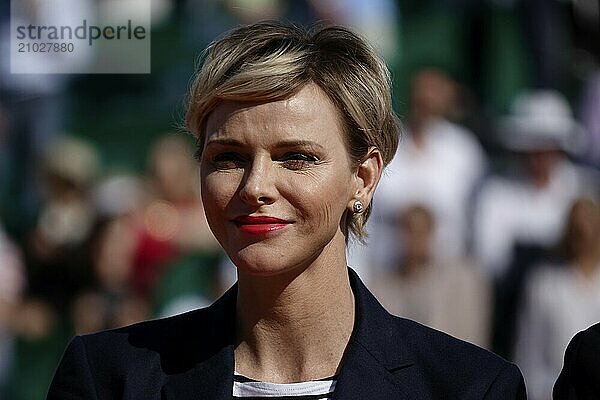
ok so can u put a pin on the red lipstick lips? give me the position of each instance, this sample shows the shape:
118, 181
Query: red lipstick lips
259, 225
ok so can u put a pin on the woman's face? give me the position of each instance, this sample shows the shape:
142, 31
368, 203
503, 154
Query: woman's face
276, 180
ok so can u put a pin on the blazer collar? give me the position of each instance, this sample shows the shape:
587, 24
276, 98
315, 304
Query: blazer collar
377, 363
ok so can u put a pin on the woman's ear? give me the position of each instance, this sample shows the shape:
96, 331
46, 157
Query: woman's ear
368, 174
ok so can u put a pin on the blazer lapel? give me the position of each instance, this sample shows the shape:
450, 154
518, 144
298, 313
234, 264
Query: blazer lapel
211, 379
377, 363
363, 377
210, 376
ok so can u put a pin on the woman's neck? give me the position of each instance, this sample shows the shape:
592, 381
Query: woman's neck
295, 326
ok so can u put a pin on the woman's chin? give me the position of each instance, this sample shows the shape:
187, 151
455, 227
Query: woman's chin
259, 270
264, 266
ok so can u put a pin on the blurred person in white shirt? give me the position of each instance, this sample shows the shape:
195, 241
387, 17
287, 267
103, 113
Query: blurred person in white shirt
519, 217
438, 165
560, 300
532, 205
453, 297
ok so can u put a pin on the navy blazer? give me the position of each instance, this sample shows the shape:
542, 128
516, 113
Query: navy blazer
191, 356
580, 376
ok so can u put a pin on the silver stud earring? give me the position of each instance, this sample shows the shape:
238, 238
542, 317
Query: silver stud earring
358, 207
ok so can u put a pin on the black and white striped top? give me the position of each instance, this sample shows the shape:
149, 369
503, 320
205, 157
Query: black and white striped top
246, 388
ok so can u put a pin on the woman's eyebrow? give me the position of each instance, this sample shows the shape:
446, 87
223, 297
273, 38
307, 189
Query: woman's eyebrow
278, 145
224, 142
297, 143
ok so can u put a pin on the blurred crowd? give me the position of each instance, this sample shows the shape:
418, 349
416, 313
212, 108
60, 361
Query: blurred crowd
486, 225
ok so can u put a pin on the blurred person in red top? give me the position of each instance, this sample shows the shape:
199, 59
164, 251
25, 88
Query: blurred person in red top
110, 302
172, 222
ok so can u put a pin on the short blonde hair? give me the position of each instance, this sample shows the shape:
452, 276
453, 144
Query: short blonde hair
270, 61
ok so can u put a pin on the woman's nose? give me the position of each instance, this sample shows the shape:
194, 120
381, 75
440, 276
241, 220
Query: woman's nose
258, 187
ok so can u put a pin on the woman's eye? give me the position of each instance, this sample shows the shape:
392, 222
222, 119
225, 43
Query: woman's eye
298, 160
227, 160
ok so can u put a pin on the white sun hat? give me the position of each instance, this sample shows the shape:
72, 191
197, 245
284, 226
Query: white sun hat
541, 120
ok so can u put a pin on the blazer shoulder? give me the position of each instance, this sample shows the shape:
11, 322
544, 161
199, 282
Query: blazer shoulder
205, 326
431, 360
580, 375
591, 334
144, 340
141, 355
431, 343
458, 365
152, 331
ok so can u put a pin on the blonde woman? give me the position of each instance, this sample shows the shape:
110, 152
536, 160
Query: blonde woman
294, 128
